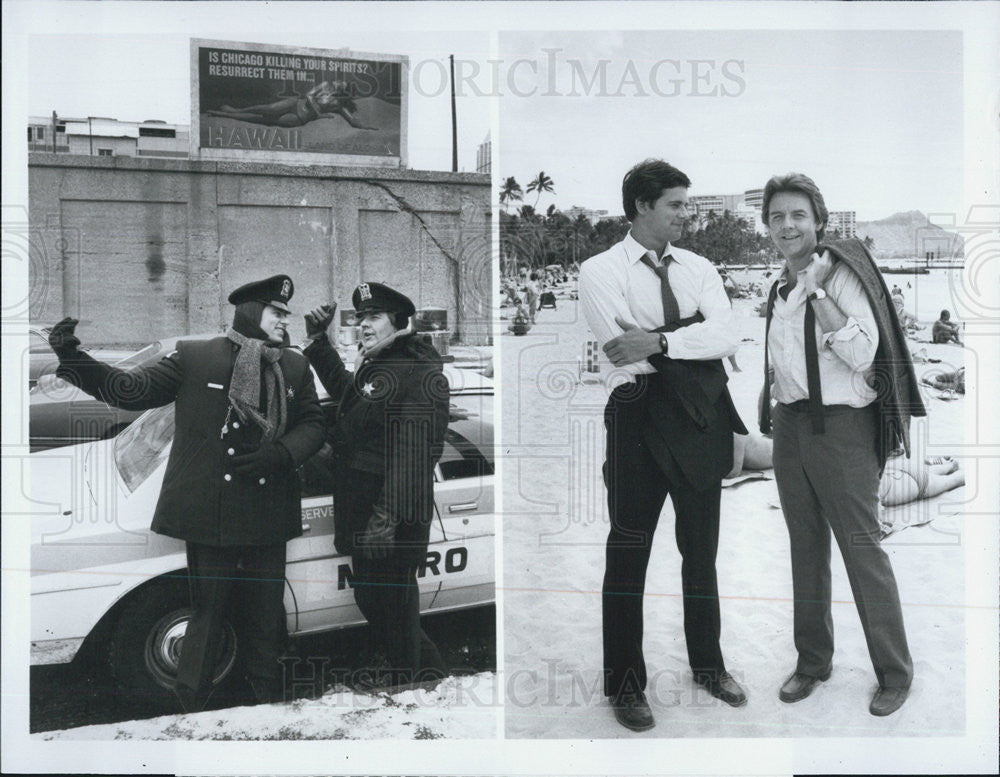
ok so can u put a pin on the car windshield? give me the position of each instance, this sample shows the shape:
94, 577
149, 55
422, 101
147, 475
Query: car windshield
49, 384
141, 448
38, 343
141, 356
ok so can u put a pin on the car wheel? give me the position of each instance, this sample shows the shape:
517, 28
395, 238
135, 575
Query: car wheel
147, 638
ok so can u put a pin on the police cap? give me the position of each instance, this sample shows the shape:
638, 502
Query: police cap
274, 291
379, 298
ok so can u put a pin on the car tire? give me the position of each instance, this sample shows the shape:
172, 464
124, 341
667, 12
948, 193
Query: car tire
146, 640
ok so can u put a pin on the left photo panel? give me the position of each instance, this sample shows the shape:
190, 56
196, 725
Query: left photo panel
256, 364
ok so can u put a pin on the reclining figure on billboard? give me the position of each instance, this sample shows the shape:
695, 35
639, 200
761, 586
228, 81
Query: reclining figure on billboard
325, 100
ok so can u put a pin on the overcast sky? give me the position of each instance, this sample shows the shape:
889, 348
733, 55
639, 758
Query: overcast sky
141, 76
876, 118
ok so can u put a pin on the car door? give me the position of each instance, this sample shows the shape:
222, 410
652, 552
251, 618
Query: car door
319, 577
463, 501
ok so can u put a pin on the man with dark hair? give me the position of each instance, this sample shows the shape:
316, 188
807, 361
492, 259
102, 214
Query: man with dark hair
387, 438
823, 335
647, 181
663, 319
247, 416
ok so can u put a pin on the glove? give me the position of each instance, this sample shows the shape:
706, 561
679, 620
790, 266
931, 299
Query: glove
269, 457
377, 540
62, 340
318, 320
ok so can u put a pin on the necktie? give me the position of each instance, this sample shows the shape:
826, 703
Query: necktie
671, 310
764, 420
812, 371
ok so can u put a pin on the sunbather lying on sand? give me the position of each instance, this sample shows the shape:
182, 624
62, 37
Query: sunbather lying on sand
904, 480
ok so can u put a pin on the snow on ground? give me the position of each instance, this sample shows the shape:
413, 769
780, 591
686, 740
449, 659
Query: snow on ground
458, 708
555, 524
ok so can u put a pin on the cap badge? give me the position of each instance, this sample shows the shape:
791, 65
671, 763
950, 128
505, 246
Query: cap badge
286, 288
364, 291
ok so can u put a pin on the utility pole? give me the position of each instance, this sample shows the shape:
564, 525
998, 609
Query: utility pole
53, 132
454, 118
90, 131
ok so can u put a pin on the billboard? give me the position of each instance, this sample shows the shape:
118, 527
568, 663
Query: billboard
261, 102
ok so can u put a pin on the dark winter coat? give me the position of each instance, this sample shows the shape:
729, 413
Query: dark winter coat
200, 501
387, 437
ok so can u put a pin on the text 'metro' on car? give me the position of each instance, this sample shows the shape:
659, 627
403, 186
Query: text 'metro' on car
104, 585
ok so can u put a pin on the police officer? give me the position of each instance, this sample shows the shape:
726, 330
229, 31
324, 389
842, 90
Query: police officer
247, 415
387, 438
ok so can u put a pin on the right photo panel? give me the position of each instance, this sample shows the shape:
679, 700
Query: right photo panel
733, 364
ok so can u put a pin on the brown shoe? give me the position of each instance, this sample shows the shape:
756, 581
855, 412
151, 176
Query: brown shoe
633, 712
799, 685
723, 687
887, 700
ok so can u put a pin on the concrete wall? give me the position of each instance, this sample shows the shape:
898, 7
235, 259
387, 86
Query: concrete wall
140, 248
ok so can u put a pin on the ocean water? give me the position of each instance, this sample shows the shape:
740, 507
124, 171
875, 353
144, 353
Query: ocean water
925, 296
930, 294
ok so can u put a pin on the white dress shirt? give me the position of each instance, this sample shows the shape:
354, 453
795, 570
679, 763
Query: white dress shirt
617, 283
845, 356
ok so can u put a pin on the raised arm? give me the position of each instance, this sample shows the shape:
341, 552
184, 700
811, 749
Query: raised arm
322, 356
137, 389
845, 316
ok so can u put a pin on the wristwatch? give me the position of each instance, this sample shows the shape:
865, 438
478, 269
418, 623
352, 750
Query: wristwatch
818, 294
663, 343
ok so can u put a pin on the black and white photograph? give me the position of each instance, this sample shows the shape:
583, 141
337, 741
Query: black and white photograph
260, 430
727, 161
477, 387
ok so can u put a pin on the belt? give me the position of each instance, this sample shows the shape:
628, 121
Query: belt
802, 406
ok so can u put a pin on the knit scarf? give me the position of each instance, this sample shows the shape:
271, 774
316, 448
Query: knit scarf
244, 388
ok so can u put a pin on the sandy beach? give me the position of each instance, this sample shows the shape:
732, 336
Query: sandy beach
555, 524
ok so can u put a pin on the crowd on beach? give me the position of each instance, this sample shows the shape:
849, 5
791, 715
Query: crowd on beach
526, 291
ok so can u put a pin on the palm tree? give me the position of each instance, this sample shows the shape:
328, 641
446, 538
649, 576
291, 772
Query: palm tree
511, 191
542, 183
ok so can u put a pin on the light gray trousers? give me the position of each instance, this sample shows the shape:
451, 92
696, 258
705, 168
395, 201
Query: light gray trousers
830, 481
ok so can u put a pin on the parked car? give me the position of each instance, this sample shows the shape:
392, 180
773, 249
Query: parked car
61, 414
42, 360
104, 585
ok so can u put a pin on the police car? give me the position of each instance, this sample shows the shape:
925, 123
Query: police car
104, 585
61, 414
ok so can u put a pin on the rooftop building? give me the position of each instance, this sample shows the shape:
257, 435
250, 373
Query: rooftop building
101, 136
754, 198
844, 221
484, 156
593, 216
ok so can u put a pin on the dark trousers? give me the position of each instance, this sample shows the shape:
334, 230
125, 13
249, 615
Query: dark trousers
246, 585
387, 594
830, 481
637, 488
